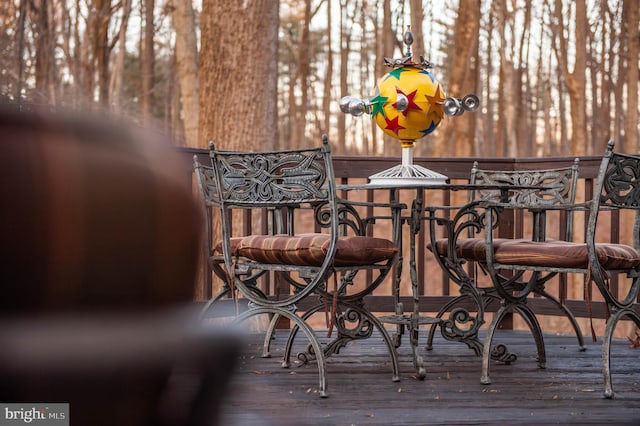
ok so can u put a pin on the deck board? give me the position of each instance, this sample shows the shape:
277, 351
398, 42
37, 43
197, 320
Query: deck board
568, 391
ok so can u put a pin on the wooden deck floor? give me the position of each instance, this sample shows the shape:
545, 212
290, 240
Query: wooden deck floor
568, 391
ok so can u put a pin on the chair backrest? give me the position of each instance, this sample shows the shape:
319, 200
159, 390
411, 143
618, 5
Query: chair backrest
279, 182
617, 188
274, 178
560, 187
618, 184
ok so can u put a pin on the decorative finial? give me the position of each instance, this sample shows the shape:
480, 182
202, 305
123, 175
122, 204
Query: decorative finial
408, 40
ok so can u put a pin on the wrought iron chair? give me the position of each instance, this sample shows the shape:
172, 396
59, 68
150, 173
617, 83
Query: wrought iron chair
296, 187
606, 264
551, 189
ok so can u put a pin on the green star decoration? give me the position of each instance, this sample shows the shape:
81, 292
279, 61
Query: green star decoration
377, 105
395, 73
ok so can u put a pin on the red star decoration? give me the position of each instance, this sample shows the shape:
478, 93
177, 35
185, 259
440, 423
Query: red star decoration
393, 125
412, 105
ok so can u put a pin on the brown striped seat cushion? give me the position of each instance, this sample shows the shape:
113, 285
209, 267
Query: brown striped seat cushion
311, 249
561, 254
468, 248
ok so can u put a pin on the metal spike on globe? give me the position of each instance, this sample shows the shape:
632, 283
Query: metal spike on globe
407, 105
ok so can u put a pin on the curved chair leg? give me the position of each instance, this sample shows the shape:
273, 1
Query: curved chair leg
370, 317
268, 337
286, 359
534, 325
568, 314
486, 349
612, 322
300, 324
500, 352
390, 345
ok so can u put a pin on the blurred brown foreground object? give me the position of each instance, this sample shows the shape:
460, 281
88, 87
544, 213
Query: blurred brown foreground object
100, 236
94, 215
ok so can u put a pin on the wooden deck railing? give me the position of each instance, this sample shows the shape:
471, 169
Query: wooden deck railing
434, 288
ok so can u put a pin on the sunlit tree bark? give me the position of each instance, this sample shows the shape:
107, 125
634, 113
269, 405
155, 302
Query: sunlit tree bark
487, 113
102, 49
299, 90
187, 66
117, 73
20, 47
327, 101
631, 18
417, 20
238, 74
45, 76
345, 42
147, 60
458, 138
576, 79
386, 50
524, 110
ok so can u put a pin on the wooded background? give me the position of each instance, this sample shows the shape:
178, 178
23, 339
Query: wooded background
554, 77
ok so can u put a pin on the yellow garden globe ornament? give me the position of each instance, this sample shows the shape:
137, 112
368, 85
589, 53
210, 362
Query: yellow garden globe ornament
407, 105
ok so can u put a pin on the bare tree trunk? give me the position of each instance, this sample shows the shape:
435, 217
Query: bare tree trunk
238, 74
417, 19
631, 17
345, 38
81, 57
303, 71
187, 66
147, 62
101, 49
618, 95
20, 53
458, 138
523, 111
388, 45
376, 142
117, 71
489, 146
607, 62
365, 56
508, 83
565, 149
328, 75
548, 147
45, 70
575, 80
597, 95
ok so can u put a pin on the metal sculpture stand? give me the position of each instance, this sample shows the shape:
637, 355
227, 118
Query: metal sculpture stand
407, 173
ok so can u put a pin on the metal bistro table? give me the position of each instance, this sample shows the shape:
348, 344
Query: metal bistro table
464, 215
